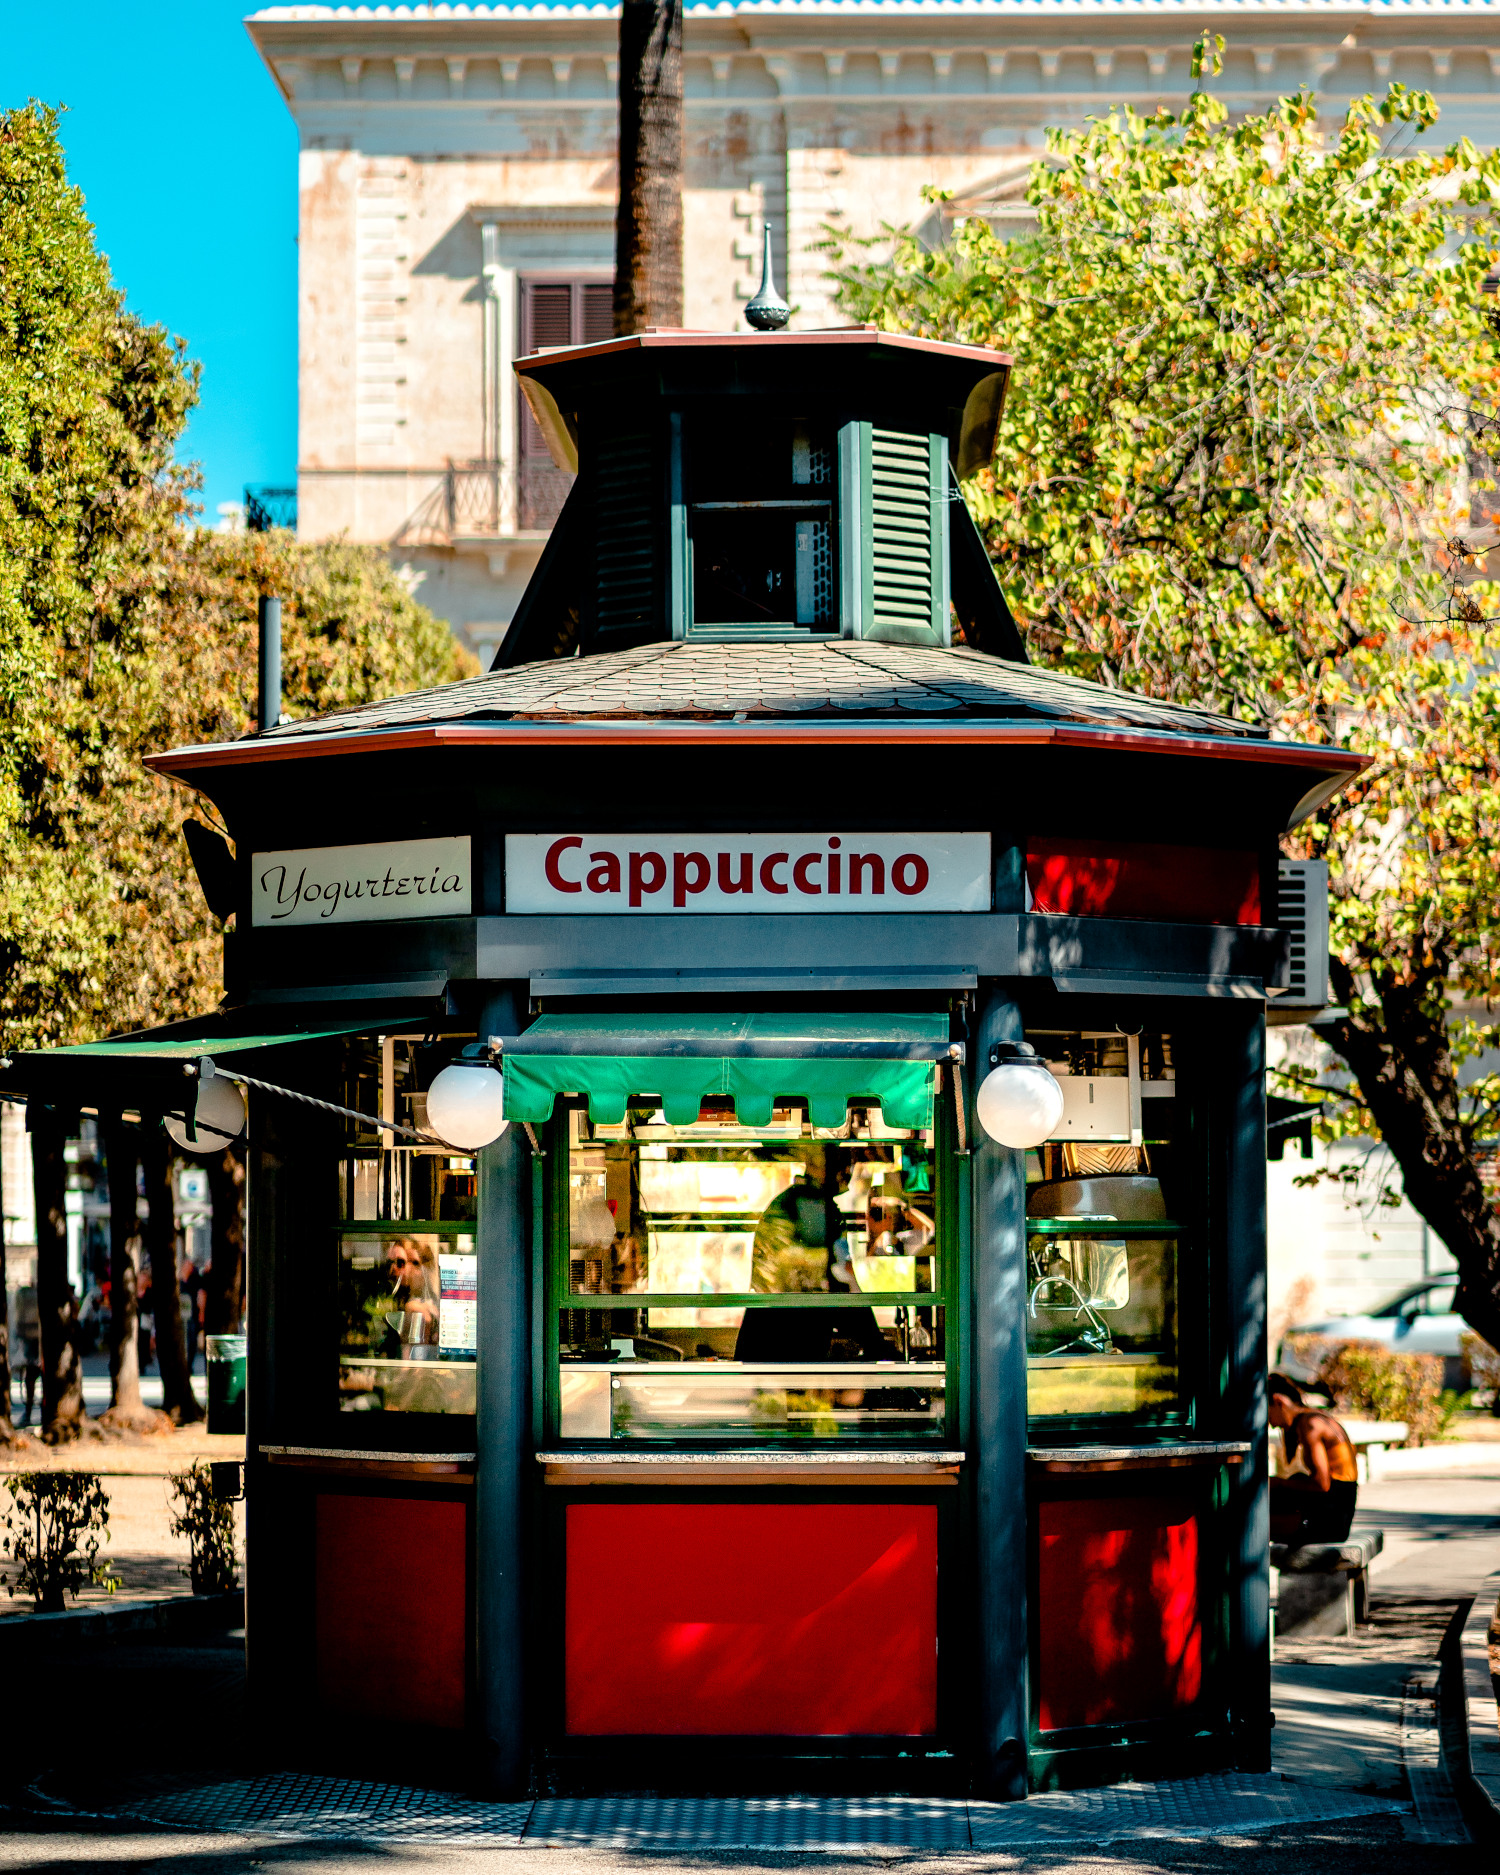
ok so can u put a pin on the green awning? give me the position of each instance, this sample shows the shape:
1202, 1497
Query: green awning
149, 1047
826, 1060
78, 1069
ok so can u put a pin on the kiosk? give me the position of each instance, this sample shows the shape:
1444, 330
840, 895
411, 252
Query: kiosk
661, 1375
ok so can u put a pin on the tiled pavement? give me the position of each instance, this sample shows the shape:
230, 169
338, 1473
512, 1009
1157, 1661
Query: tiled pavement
303, 1807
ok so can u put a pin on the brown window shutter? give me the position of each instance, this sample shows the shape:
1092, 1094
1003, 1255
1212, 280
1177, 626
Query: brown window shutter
598, 320
554, 313
546, 314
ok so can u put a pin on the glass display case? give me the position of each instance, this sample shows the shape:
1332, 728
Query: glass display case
1104, 1235
715, 1281
408, 1270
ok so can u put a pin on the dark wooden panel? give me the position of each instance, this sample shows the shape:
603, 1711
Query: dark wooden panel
391, 1606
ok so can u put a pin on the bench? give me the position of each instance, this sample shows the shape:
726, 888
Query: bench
1323, 1588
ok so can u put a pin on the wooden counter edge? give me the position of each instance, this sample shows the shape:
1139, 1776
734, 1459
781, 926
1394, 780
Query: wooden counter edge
395, 1470
575, 1476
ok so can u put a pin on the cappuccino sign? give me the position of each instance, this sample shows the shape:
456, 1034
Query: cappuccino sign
362, 884
677, 873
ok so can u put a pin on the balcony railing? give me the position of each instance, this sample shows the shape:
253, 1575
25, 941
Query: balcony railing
480, 500
266, 508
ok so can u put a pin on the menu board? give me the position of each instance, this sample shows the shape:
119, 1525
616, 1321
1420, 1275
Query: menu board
458, 1321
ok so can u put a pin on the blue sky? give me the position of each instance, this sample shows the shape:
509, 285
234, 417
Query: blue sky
187, 157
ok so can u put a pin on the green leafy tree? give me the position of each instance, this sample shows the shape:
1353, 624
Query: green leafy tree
92, 401
1255, 393
125, 629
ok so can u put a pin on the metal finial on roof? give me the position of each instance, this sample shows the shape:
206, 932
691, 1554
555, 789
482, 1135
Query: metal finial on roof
768, 311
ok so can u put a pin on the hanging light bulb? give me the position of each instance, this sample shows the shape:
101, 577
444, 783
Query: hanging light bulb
466, 1105
218, 1116
1019, 1102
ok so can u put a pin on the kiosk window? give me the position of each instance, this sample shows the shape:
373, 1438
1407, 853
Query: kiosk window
407, 1264
761, 525
713, 1280
1104, 1240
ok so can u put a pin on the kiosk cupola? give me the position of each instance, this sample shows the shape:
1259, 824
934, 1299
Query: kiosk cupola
773, 487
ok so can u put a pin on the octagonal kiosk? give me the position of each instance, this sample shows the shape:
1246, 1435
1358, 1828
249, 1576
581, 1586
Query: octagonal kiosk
742, 1412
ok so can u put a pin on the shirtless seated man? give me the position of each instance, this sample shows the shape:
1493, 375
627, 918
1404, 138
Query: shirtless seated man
1315, 1502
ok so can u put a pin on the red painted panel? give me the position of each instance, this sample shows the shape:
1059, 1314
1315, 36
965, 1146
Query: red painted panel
1121, 1637
392, 1578
1106, 879
793, 1620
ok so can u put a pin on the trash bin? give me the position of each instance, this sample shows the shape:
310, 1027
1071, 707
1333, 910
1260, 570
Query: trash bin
226, 1383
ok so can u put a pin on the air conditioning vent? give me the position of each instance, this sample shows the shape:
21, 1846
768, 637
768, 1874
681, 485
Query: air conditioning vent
1302, 912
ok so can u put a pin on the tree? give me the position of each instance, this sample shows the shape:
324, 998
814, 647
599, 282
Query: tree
648, 221
1255, 393
92, 401
126, 1407
351, 632
125, 629
62, 1371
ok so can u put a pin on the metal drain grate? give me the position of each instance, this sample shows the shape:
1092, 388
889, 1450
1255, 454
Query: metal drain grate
320, 1808
1225, 1804
309, 1808
750, 1822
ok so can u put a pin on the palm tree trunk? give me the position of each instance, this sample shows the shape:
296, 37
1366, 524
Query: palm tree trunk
648, 223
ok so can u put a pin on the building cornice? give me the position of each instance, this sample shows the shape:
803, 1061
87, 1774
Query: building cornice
859, 54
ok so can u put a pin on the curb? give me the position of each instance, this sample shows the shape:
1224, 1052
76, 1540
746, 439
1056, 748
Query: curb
21, 1635
1481, 1633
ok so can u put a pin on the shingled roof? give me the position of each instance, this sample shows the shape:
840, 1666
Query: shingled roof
837, 681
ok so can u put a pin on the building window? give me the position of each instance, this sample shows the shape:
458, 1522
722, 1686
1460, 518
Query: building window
760, 523
720, 1281
407, 1260
554, 313
1108, 1259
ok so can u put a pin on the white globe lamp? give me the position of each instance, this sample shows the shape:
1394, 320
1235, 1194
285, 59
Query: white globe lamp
466, 1106
218, 1117
1019, 1102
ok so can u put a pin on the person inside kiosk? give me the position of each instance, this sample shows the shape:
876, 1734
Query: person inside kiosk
724, 1280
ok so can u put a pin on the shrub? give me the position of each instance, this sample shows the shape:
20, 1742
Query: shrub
54, 1526
1365, 1378
207, 1521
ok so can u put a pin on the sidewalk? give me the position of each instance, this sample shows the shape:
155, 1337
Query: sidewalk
1355, 1743
150, 1562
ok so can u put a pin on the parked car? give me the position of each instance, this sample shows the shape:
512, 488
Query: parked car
1418, 1320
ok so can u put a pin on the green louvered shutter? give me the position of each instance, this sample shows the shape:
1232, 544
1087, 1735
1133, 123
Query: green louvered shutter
908, 555
627, 603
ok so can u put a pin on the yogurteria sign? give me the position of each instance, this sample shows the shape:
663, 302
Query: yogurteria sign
360, 884
746, 872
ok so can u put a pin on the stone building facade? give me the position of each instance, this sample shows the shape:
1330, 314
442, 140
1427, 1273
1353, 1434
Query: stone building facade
457, 182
